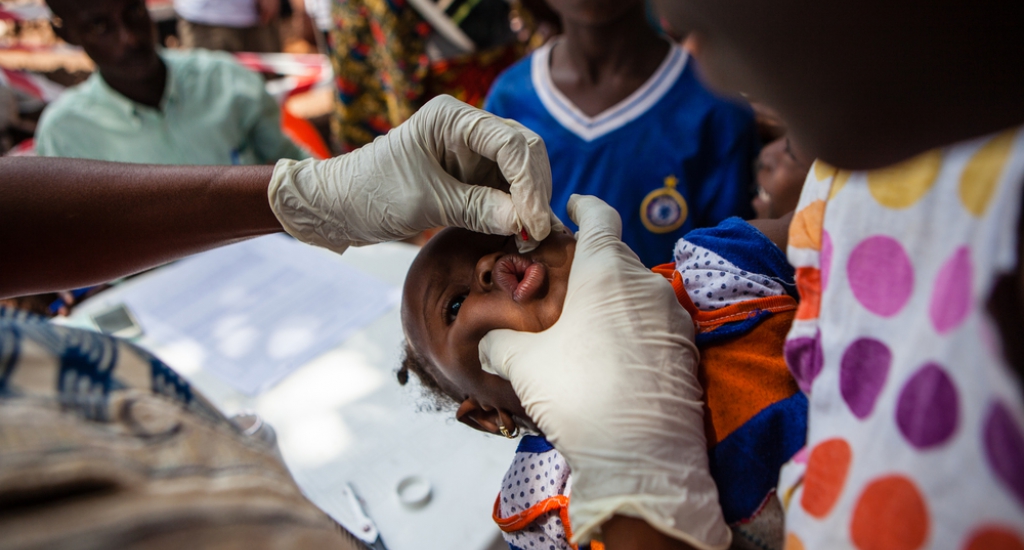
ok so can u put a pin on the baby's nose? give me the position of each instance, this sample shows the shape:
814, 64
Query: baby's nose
485, 270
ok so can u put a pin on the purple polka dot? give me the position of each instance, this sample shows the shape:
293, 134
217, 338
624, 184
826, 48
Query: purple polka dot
826, 258
804, 357
951, 297
1004, 448
862, 374
927, 410
880, 275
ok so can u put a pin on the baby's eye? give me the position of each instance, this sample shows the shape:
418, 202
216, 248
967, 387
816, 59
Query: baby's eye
451, 311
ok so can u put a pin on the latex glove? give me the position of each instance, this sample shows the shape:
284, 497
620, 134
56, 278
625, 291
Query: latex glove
613, 386
408, 181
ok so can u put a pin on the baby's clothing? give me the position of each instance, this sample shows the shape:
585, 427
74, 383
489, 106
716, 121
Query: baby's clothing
532, 509
671, 157
915, 437
755, 416
713, 282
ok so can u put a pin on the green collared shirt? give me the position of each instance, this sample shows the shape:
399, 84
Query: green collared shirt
214, 111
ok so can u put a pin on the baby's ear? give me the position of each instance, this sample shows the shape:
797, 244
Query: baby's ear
477, 417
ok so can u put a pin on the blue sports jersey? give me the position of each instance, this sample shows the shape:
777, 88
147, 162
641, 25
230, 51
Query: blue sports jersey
671, 157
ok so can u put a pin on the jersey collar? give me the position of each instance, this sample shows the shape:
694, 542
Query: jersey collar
613, 118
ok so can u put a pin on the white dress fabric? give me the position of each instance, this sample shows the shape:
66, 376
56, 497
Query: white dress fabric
916, 423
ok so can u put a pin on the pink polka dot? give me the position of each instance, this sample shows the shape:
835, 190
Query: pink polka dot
951, 297
928, 407
805, 358
862, 373
881, 275
1004, 448
826, 258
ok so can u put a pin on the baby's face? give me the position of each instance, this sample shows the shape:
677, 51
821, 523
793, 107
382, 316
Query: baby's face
463, 285
781, 172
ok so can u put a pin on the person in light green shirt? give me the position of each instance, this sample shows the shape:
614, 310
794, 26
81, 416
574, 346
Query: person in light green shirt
159, 107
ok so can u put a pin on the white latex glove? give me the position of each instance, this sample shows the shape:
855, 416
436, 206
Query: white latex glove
409, 180
613, 385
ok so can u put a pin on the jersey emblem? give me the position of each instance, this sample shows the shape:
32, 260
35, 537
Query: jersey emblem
664, 209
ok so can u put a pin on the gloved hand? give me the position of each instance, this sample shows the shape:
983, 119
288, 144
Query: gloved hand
411, 179
613, 385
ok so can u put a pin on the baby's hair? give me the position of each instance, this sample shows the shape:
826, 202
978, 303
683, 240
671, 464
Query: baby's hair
438, 399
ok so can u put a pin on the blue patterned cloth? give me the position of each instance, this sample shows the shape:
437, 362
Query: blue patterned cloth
103, 445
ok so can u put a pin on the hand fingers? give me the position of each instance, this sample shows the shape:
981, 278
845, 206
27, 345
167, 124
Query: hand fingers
556, 224
519, 153
594, 216
602, 260
498, 351
531, 194
530, 244
484, 210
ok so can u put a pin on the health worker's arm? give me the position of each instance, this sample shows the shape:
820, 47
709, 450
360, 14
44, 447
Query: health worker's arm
68, 223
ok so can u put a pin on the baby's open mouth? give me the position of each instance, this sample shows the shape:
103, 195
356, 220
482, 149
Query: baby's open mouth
519, 276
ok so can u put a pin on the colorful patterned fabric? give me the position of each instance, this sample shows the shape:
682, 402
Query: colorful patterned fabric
380, 64
103, 446
755, 416
916, 433
468, 78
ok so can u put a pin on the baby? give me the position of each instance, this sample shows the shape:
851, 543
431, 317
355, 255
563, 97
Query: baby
735, 283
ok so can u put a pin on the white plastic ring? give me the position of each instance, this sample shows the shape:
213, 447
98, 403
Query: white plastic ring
414, 492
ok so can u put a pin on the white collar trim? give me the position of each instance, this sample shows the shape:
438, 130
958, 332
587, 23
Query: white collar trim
618, 115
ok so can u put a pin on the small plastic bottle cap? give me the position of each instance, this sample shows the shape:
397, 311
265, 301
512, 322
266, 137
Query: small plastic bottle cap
414, 491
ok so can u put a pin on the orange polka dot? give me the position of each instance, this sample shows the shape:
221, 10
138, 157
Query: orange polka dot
994, 538
890, 515
826, 474
981, 175
805, 229
793, 542
808, 284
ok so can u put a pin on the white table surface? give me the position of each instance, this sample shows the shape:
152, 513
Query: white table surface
343, 417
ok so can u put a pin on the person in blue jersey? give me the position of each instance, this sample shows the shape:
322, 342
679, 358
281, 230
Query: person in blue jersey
624, 118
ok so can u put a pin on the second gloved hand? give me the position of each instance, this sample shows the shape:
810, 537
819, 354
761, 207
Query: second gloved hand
442, 167
613, 385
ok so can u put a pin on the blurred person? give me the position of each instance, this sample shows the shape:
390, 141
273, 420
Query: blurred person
230, 25
907, 243
156, 106
625, 119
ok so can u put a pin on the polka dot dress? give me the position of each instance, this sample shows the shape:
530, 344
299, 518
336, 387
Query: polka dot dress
713, 282
916, 426
532, 478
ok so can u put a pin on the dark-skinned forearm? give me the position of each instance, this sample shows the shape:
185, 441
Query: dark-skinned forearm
626, 533
67, 223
